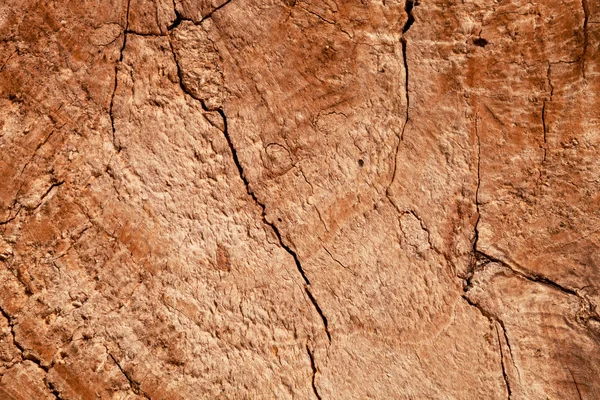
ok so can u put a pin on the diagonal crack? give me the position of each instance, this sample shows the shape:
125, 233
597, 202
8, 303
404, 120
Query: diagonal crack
251, 193
272, 225
575, 382
135, 386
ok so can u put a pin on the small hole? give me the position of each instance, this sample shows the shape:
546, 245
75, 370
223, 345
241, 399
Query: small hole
481, 42
361, 163
279, 219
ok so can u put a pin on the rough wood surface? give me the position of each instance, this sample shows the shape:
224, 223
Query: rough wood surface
245, 199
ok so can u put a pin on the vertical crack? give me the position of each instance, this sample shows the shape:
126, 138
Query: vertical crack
26, 355
251, 193
408, 7
544, 145
314, 372
586, 17
493, 319
504, 374
476, 227
112, 98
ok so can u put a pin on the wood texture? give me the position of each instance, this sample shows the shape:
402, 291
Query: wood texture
299, 199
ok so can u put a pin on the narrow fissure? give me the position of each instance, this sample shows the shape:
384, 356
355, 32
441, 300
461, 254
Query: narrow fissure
576, 384
314, 372
135, 386
179, 18
272, 225
408, 7
254, 198
586, 17
493, 319
53, 390
476, 228
112, 98
504, 374
545, 132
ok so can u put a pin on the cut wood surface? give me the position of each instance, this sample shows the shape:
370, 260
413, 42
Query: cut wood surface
299, 199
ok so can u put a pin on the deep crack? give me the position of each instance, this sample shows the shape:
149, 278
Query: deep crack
476, 227
408, 7
314, 372
251, 193
272, 225
112, 98
504, 373
179, 18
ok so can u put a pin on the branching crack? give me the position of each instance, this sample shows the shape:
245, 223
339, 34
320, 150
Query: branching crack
179, 18
251, 193
314, 372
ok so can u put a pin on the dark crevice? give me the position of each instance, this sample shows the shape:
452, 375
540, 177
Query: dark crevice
476, 227
210, 14
493, 319
314, 372
586, 17
504, 374
527, 275
180, 18
545, 131
135, 386
53, 390
10, 219
480, 42
408, 7
112, 98
57, 184
225, 130
272, 225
